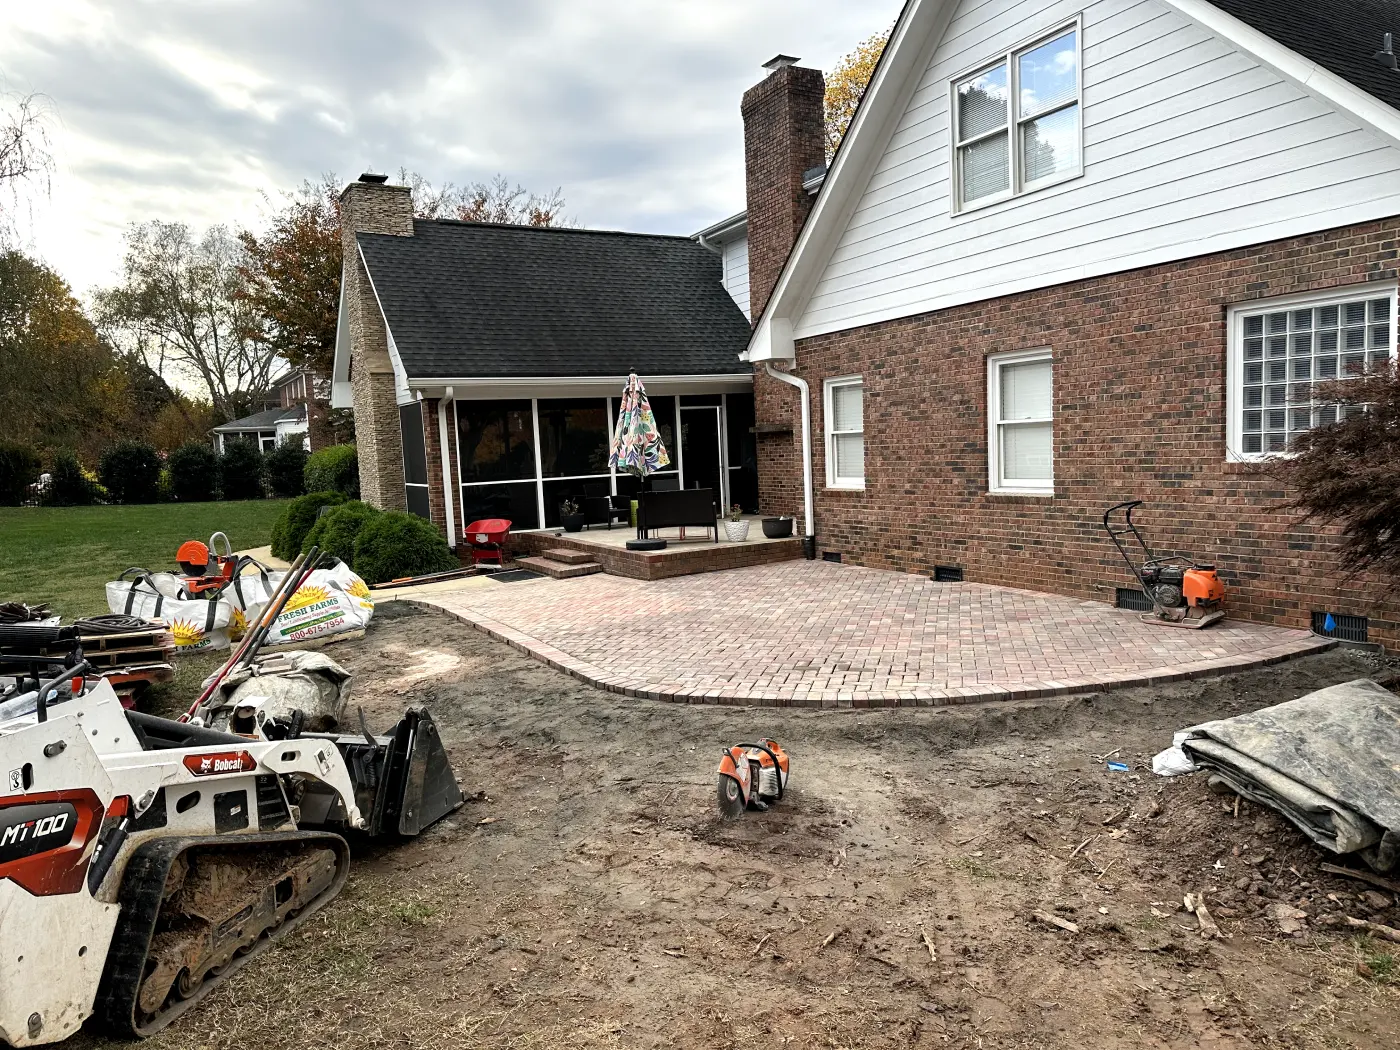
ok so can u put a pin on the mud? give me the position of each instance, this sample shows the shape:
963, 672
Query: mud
589, 895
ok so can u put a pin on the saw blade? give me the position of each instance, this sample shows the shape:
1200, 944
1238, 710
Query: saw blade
730, 796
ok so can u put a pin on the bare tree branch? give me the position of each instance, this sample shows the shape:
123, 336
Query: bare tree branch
26, 153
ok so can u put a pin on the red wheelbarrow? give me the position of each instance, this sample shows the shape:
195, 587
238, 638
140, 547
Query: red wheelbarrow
488, 539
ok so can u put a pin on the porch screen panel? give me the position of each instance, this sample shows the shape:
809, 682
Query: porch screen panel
516, 502
415, 459
496, 441
574, 437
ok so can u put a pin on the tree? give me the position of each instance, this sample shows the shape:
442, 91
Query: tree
1347, 473
845, 85
25, 152
493, 201
181, 308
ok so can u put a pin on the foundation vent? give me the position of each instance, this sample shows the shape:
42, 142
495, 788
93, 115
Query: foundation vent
831, 556
947, 574
1133, 598
1342, 627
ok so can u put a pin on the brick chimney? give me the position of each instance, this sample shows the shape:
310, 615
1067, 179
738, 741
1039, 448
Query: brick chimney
369, 205
783, 139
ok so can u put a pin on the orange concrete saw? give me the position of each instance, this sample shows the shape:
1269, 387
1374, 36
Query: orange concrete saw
751, 776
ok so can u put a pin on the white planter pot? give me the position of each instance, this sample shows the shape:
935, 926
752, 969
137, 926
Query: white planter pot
736, 531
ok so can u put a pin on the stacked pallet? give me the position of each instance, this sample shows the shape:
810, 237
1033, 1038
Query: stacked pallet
131, 653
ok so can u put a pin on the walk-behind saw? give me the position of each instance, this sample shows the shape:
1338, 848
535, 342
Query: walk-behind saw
1183, 593
145, 861
751, 776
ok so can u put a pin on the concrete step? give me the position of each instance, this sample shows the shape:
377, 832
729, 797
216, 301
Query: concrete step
567, 556
558, 570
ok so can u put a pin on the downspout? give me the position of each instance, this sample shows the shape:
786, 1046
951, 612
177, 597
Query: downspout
448, 498
809, 526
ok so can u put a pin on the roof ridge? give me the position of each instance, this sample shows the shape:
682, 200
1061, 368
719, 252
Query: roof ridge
557, 229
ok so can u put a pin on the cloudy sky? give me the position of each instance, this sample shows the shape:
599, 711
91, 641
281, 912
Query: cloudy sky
190, 110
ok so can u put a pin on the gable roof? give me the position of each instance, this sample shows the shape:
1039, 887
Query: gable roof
264, 420
917, 34
479, 300
1340, 37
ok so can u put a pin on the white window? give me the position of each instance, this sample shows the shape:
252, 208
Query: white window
1280, 348
845, 433
1021, 431
1016, 123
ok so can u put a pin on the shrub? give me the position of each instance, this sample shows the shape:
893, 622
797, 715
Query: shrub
286, 468
335, 531
394, 544
69, 485
289, 530
241, 471
130, 472
19, 467
334, 469
194, 473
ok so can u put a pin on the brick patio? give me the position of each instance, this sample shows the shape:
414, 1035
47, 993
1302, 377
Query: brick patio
822, 635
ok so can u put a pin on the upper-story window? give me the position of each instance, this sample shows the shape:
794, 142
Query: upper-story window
1016, 123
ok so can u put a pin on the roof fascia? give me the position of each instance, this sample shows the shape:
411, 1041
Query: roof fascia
477, 388
722, 230
1324, 85
916, 35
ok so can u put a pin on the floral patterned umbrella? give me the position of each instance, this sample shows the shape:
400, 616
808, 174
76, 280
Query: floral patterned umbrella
637, 447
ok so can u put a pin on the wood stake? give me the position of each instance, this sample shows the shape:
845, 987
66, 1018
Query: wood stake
1080, 847
1388, 933
932, 955
1055, 920
830, 937
1364, 876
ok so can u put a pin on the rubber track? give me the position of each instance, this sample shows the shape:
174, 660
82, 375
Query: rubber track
142, 892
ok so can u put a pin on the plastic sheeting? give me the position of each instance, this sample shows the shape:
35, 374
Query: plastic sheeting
1328, 761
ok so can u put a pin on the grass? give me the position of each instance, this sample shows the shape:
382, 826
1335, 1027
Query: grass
65, 555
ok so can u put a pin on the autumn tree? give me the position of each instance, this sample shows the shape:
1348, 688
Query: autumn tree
1347, 473
845, 85
181, 308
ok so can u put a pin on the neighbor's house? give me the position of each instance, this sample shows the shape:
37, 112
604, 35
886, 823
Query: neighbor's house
509, 348
282, 419
1074, 252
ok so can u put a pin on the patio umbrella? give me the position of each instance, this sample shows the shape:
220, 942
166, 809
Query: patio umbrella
637, 447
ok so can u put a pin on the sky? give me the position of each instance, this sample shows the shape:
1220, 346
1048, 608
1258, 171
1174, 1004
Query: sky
203, 111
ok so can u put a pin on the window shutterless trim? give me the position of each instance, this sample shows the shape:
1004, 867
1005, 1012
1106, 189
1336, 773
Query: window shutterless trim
831, 433
1011, 127
1234, 352
995, 363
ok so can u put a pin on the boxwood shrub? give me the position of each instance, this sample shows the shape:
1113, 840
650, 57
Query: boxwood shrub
130, 472
289, 530
194, 473
241, 470
335, 531
68, 485
286, 469
394, 544
19, 467
334, 469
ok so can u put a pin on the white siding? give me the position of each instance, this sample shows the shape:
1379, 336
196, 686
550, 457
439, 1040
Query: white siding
1189, 147
736, 272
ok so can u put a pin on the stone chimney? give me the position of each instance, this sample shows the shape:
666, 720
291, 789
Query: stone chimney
783, 139
369, 205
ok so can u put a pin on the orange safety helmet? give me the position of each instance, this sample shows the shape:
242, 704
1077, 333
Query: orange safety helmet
193, 557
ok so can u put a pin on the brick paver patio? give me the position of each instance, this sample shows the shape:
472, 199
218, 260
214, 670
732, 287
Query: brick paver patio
816, 634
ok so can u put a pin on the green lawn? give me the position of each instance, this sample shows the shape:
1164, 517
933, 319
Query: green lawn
64, 555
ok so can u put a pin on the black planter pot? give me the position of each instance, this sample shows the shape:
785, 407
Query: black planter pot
777, 528
572, 522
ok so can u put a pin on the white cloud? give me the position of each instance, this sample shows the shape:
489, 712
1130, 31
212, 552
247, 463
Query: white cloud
191, 111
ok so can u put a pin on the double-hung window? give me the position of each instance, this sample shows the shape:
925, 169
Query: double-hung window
1279, 349
1016, 123
1020, 423
845, 433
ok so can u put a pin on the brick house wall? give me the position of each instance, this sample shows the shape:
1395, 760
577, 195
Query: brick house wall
1140, 413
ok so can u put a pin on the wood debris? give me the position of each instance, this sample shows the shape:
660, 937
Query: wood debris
1055, 920
1363, 876
1196, 904
1387, 933
759, 946
932, 955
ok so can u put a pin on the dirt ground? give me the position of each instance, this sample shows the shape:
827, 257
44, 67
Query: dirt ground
592, 897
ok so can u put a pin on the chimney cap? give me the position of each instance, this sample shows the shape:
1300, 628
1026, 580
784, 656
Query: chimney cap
373, 179
778, 62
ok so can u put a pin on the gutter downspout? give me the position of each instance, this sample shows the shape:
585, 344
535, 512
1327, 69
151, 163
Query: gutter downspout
809, 526
448, 499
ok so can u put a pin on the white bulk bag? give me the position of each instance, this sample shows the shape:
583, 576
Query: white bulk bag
331, 601
196, 624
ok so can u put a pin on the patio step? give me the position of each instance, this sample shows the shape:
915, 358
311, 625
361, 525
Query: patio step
567, 556
558, 570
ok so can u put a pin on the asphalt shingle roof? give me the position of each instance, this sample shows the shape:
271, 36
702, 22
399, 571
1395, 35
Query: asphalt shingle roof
264, 420
470, 300
1341, 36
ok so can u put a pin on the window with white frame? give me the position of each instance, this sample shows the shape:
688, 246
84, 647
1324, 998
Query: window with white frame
1279, 349
845, 433
1016, 123
1020, 417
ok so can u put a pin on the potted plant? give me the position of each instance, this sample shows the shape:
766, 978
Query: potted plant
735, 527
779, 528
571, 516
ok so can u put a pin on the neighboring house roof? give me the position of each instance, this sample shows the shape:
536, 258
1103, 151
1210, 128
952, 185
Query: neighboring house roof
1300, 40
468, 300
265, 420
1340, 37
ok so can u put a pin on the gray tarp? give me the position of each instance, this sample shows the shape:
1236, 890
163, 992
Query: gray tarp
1328, 761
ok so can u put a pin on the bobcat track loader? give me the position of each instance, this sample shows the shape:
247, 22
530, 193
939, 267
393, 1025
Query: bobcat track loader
145, 861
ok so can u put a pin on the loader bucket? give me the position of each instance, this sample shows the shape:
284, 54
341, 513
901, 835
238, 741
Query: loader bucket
403, 782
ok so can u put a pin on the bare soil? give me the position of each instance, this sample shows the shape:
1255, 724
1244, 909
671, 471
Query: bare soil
590, 896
